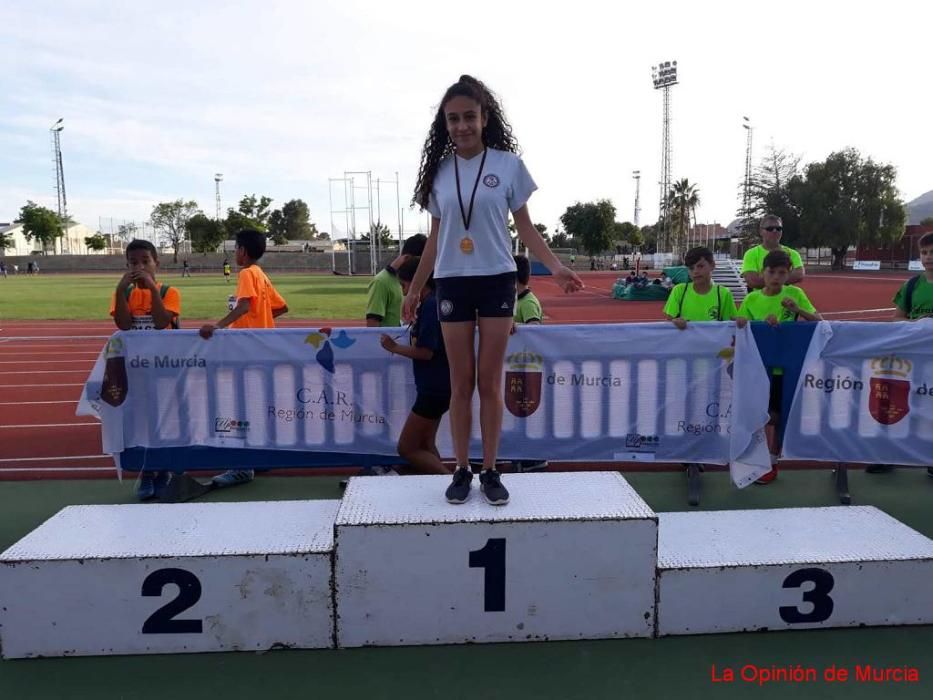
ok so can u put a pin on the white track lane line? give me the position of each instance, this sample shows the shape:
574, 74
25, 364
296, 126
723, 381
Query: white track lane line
49, 425
46, 371
855, 277
89, 361
34, 386
8, 460
39, 470
860, 311
34, 403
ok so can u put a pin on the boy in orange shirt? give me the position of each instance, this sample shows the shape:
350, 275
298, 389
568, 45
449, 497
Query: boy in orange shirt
257, 305
141, 303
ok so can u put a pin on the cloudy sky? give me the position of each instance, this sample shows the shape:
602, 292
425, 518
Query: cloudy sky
281, 96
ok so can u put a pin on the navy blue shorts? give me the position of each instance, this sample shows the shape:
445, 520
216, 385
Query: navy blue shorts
466, 298
431, 406
776, 399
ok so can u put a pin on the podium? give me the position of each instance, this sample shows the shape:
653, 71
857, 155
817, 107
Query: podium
572, 556
141, 579
790, 568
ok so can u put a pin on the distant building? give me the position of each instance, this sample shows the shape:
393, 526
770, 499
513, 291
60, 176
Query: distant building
72, 243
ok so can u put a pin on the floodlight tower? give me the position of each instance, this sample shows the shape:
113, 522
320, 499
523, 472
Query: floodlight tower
664, 76
218, 178
747, 186
56, 131
636, 175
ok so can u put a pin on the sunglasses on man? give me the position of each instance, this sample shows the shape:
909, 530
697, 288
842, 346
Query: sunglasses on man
772, 229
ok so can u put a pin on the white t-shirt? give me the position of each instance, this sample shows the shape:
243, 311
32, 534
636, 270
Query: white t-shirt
504, 186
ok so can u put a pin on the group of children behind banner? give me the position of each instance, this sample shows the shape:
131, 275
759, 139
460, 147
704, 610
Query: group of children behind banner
141, 302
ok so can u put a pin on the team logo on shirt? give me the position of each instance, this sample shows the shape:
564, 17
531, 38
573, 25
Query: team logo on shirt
523, 383
889, 395
491, 180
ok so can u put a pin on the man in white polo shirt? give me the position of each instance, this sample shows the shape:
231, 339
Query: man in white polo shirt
771, 229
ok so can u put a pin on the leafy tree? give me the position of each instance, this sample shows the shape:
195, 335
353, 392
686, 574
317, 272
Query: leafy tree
41, 224
256, 209
205, 234
848, 200
624, 230
927, 221
770, 193
650, 235
560, 239
380, 232
591, 223
95, 242
636, 238
237, 221
292, 222
683, 200
169, 219
127, 231
277, 228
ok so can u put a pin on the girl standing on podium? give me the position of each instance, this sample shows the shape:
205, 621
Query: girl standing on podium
470, 179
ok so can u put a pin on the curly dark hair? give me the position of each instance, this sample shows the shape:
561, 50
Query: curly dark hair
496, 134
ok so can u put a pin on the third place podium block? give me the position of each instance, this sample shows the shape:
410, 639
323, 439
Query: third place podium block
790, 568
136, 579
572, 556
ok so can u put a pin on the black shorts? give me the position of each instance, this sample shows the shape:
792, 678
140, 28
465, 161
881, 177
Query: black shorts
465, 298
776, 399
431, 406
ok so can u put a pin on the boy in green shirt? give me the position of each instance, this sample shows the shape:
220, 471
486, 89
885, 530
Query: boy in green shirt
914, 300
699, 299
385, 292
776, 303
527, 310
527, 306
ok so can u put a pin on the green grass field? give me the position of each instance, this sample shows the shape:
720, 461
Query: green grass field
87, 297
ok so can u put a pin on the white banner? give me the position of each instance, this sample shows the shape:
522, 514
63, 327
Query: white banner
628, 392
915, 266
865, 395
866, 265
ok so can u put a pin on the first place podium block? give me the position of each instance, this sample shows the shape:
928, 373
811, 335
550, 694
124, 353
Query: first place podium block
790, 568
136, 579
572, 556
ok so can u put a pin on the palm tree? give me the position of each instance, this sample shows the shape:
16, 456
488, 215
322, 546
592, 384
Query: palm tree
683, 199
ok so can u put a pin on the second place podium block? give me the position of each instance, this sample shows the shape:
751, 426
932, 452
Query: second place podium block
142, 579
572, 556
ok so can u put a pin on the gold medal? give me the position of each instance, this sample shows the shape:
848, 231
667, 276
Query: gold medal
466, 243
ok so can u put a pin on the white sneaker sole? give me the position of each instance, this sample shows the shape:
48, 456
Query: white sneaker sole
494, 503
